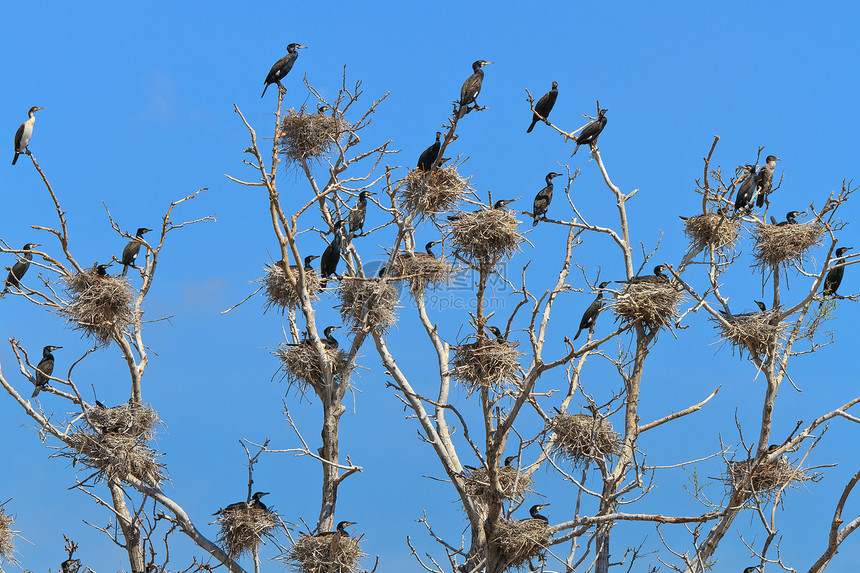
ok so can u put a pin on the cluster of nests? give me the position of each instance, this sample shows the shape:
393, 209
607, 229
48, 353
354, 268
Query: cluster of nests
758, 332
520, 541
368, 303
307, 136
653, 304
767, 479
711, 229
99, 305
784, 244
325, 554
243, 528
582, 437
514, 484
301, 364
280, 293
486, 363
114, 443
7, 536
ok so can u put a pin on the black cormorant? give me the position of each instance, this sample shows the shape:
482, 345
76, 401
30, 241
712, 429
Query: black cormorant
255, 503
330, 342
746, 190
429, 246
129, 253
282, 67
543, 198
761, 306
590, 315
500, 338
752, 569
357, 214
428, 158
510, 459
340, 529
834, 276
500, 204
790, 219
533, 512
101, 270
764, 179
657, 278
44, 369
24, 133
331, 255
544, 106
591, 132
16, 273
471, 87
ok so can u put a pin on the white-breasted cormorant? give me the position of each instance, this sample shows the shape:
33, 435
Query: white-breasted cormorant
357, 214
340, 529
428, 158
24, 133
543, 198
746, 190
471, 87
657, 278
533, 512
19, 269
544, 106
44, 369
834, 276
282, 67
130, 251
589, 317
591, 132
331, 256
764, 179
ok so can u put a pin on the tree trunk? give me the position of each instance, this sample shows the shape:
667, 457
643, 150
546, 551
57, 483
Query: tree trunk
130, 530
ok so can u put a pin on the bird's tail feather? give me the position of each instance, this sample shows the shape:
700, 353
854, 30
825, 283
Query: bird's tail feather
532, 126
264, 90
578, 332
15, 159
124, 269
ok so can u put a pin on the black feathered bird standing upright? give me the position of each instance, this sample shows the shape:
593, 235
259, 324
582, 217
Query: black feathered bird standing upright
589, 317
746, 190
543, 199
24, 133
44, 369
130, 251
764, 179
19, 269
357, 215
471, 87
428, 158
282, 67
834, 276
544, 106
591, 132
331, 256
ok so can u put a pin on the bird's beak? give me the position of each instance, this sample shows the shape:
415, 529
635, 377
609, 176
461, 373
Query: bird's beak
777, 159
300, 46
487, 63
57, 347
38, 108
335, 327
262, 493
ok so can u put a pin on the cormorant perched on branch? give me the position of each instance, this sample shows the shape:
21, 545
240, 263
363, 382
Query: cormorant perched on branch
834, 276
544, 106
357, 214
255, 503
591, 131
340, 529
746, 190
44, 369
764, 179
331, 255
24, 133
19, 269
282, 67
533, 512
428, 158
590, 315
498, 334
129, 253
657, 278
790, 219
543, 198
471, 87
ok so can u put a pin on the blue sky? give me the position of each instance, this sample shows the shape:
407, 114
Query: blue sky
139, 112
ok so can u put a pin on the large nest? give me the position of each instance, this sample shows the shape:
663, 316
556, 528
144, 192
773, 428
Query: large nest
582, 436
513, 483
652, 304
114, 456
243, 528
7, 536
301, 363
432, 192
758, 332
486, 235
368, 303
519, 541
127, 419
98, 305
309, 135
422, 270
767, 478
485, 364
784, 244
325, 554
711, 229
280, 294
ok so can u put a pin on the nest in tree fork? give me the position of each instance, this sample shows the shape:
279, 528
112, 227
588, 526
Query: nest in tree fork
781, 245
114, 456
7, 536
301, 364
654, 305
486, 235
581, 436
309, 135
767, 479
280, 294
326, 554
127, 419
513, 483
98, 305
485, 364
519, 541
432, 192
242, 529
758, 332
711, 229
422, 270
368, 303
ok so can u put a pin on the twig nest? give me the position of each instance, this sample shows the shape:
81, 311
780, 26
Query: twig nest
582, 436
114, 456
652, 304
781, 245
767, 479
432, 192
309, 135
519, 541
485, 236
301, 364
485, 364
7, 536
326, 554
711, 229
127, 419
758, 332
422, 270
243, 528
98, 305
280, 294
513, 483
368, 303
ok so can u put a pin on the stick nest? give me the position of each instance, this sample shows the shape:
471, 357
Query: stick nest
485, 364
98, 305
7, 536
767, 479
486, 235
301, 364
519, 541
654, 305
711, 229
581, 436
514, 484
758, 332
432, 192
127, 419
280, 294
114, 456
368, 303
242, 529
782, 245
309, 135
422, 270
326, 554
